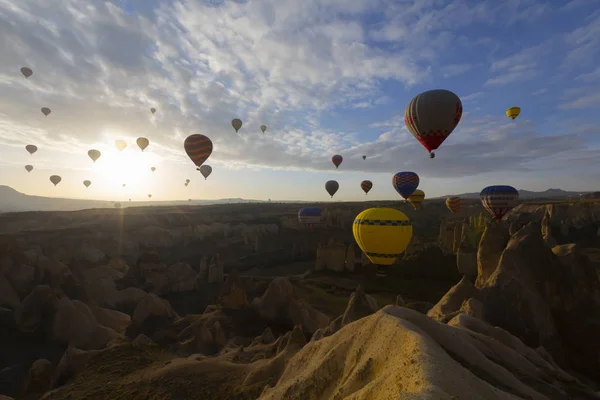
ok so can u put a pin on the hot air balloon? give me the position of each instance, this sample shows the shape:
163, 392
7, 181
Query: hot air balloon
120, 144
87, 183
124, 184
237, 124
309, 216
499, 199
453, 204
153, 169
337, 160
185, 184
263, 128
364, 157
513, 112
416, 198
189, 199
153, 110
432, 116
332, 187
187, 181
142, 143
205, 170
29, 168
198, 148
149, 196
405, 183
94, 154
366, 186
55, 179
27, 72
46, 111
31, 148
382, 234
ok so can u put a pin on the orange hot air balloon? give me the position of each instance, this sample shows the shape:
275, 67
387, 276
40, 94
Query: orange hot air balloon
366, 186
453, 204
337, 160
198, 148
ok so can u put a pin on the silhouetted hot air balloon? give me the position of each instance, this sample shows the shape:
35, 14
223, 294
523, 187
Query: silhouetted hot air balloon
124, 184
364, 157
382, 234
27, 72
499, 199
416, 198
432, 116
46, 111
31, 148
453, 204
120, 144
366, 186
153, 110
55, 179
29, 168
185, 184
187, 181
94, 154
142, 143
332, 187
309, 216
337, 160
153, 169
263, 128
405, 183
513, 112
237, 124
149, 196
87, 183
198, 148
205, 170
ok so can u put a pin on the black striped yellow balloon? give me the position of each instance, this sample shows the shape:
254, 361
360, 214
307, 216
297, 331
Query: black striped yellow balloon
513, 112
416, 198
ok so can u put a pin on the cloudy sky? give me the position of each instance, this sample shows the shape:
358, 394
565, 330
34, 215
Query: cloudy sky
326, 77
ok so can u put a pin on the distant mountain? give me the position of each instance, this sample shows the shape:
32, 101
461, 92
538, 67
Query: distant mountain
528, 195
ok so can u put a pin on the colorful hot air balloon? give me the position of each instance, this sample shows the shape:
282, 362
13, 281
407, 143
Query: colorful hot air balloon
309, 216
205, 170
332, 187
364, 157
27, 72
416, 198
236, 123
499, 200
453, 204
142, 143
120, 144
405, 183
263, 128
432, 116
55, 179
46, 111
94, 154
366, 186
198, 148
337, 160
29, 168
382, 234
153, 169
87, 183
31, 148
153, 110
513, 112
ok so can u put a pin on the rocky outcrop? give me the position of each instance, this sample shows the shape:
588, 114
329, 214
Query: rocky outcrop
39, 379
492, 244
331, 257
451, 303
216, 272
233, 294
151, 315
466, 260
181, 277
36, 311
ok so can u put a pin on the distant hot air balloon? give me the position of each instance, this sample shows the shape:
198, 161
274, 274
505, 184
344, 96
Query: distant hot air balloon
189, 199
337, 160
453, 204
198, 148
142, 143
120, 144
332, 187
149, 196
129, 199
124, 184
382, 234
432, 116
205, 170
416, 198
364, 157
55, 179
499, 199
263, 128
405, 183
27, 72
153, 110
31, 148
366, 186
29, 168
309, 216
513, 112
87, 183
236, 123
185, 184
94, 154
187, 181
153, 169
46, 111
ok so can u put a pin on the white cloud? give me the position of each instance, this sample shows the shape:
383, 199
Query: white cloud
455, 69
520, 66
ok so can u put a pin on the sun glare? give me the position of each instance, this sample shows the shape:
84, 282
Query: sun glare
129, 167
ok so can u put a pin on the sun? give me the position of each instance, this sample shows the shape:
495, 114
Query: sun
128, 167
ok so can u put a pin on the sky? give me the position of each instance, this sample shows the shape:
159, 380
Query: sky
325, 76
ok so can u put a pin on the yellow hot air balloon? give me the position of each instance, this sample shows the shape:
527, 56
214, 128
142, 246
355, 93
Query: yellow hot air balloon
382, 234
416, 198
513, 112
120, 144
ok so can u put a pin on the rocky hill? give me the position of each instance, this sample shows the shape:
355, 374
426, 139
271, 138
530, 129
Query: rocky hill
548, 194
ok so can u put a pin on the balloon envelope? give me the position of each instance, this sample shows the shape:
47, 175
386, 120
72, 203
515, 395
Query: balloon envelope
153, 169
198, 148
236, 123
364, 157
332, 187
31, 148
405, 183
142, 143
46, 111
309, 216
499, 199
337, 160
55, 179
27, 72
94, 154
263, 128
513, 112
29, 168
416, 198
205, 170
366, 186
453, 204
153, 110
120, 144
87, 183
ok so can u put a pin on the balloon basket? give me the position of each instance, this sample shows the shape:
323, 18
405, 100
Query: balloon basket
381, 271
